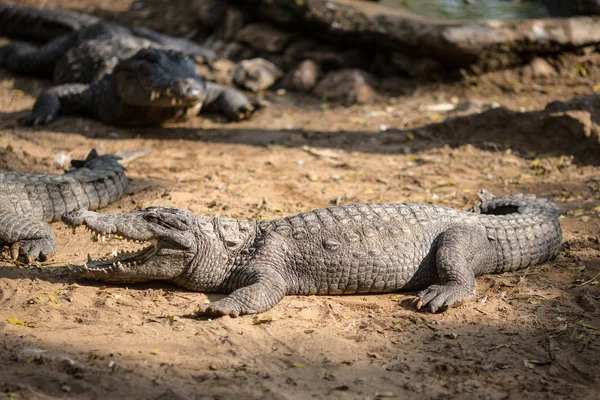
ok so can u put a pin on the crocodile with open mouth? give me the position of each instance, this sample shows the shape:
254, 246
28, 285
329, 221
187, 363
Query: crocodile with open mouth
106, 71
348, 249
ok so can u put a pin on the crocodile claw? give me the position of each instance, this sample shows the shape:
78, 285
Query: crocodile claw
440, 297
32, 120
216, 310
33, 249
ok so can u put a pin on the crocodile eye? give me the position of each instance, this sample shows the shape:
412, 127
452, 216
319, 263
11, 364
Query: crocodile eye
152, 219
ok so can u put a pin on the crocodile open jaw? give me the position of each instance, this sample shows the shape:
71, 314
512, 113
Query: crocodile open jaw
118, 259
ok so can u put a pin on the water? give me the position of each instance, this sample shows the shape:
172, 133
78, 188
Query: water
480, 9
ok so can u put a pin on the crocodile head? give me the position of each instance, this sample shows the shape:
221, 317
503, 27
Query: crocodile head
159, 78
170, 234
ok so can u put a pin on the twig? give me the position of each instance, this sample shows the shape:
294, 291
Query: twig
586, 282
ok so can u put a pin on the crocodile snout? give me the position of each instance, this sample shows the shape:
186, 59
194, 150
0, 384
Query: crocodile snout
188, 88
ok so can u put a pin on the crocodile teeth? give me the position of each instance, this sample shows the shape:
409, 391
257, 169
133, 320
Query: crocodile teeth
89, 258
74, 229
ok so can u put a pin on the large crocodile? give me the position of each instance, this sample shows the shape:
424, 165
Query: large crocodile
115, 74
349, 249
28, 201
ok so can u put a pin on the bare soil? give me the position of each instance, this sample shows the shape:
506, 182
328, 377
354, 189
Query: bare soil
528, 334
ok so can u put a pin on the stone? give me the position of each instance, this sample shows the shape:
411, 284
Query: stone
398, 85
487, 44
220, 71
263, 37
296, 50
348, 86
540, 68
238, 51
210, 13
303, 77
256, 74
422, 68
234, 23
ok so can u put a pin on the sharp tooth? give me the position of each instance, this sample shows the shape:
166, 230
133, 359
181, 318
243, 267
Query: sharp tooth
74, 229
85, 266
103, 238
89, 258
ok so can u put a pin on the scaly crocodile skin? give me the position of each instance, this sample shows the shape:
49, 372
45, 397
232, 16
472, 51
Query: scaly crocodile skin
28, 201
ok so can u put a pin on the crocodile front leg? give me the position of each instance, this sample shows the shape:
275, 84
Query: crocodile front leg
228, 101
462, 253
265, 287
63, 99
27, 237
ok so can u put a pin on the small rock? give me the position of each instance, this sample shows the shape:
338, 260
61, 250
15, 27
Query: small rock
234, 22
256, 74
210, 13
296, 50
217, 45
303, 77
587, 302
540, 68
424, 68
348, 86
237, 51
329, 59
263, 37
62, 160
398, 85
220, 71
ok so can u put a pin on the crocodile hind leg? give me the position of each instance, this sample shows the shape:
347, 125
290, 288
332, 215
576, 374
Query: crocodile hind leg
228, 101
25, 59
264, 288
463, 252
32, 239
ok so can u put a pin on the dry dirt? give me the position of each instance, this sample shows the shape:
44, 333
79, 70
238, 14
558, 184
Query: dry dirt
529, 334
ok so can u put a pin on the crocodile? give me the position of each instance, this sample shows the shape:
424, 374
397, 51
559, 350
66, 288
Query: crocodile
29, 201
119, 75
347, 249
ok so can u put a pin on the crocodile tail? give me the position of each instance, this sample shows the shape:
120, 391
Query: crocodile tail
40, 25
101, 177
517, 204
524, 229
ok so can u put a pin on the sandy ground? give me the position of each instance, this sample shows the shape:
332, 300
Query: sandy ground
529, 334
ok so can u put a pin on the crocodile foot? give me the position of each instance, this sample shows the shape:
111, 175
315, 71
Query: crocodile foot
33, 249
36, 120
440, 297
219, 309
241, 113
